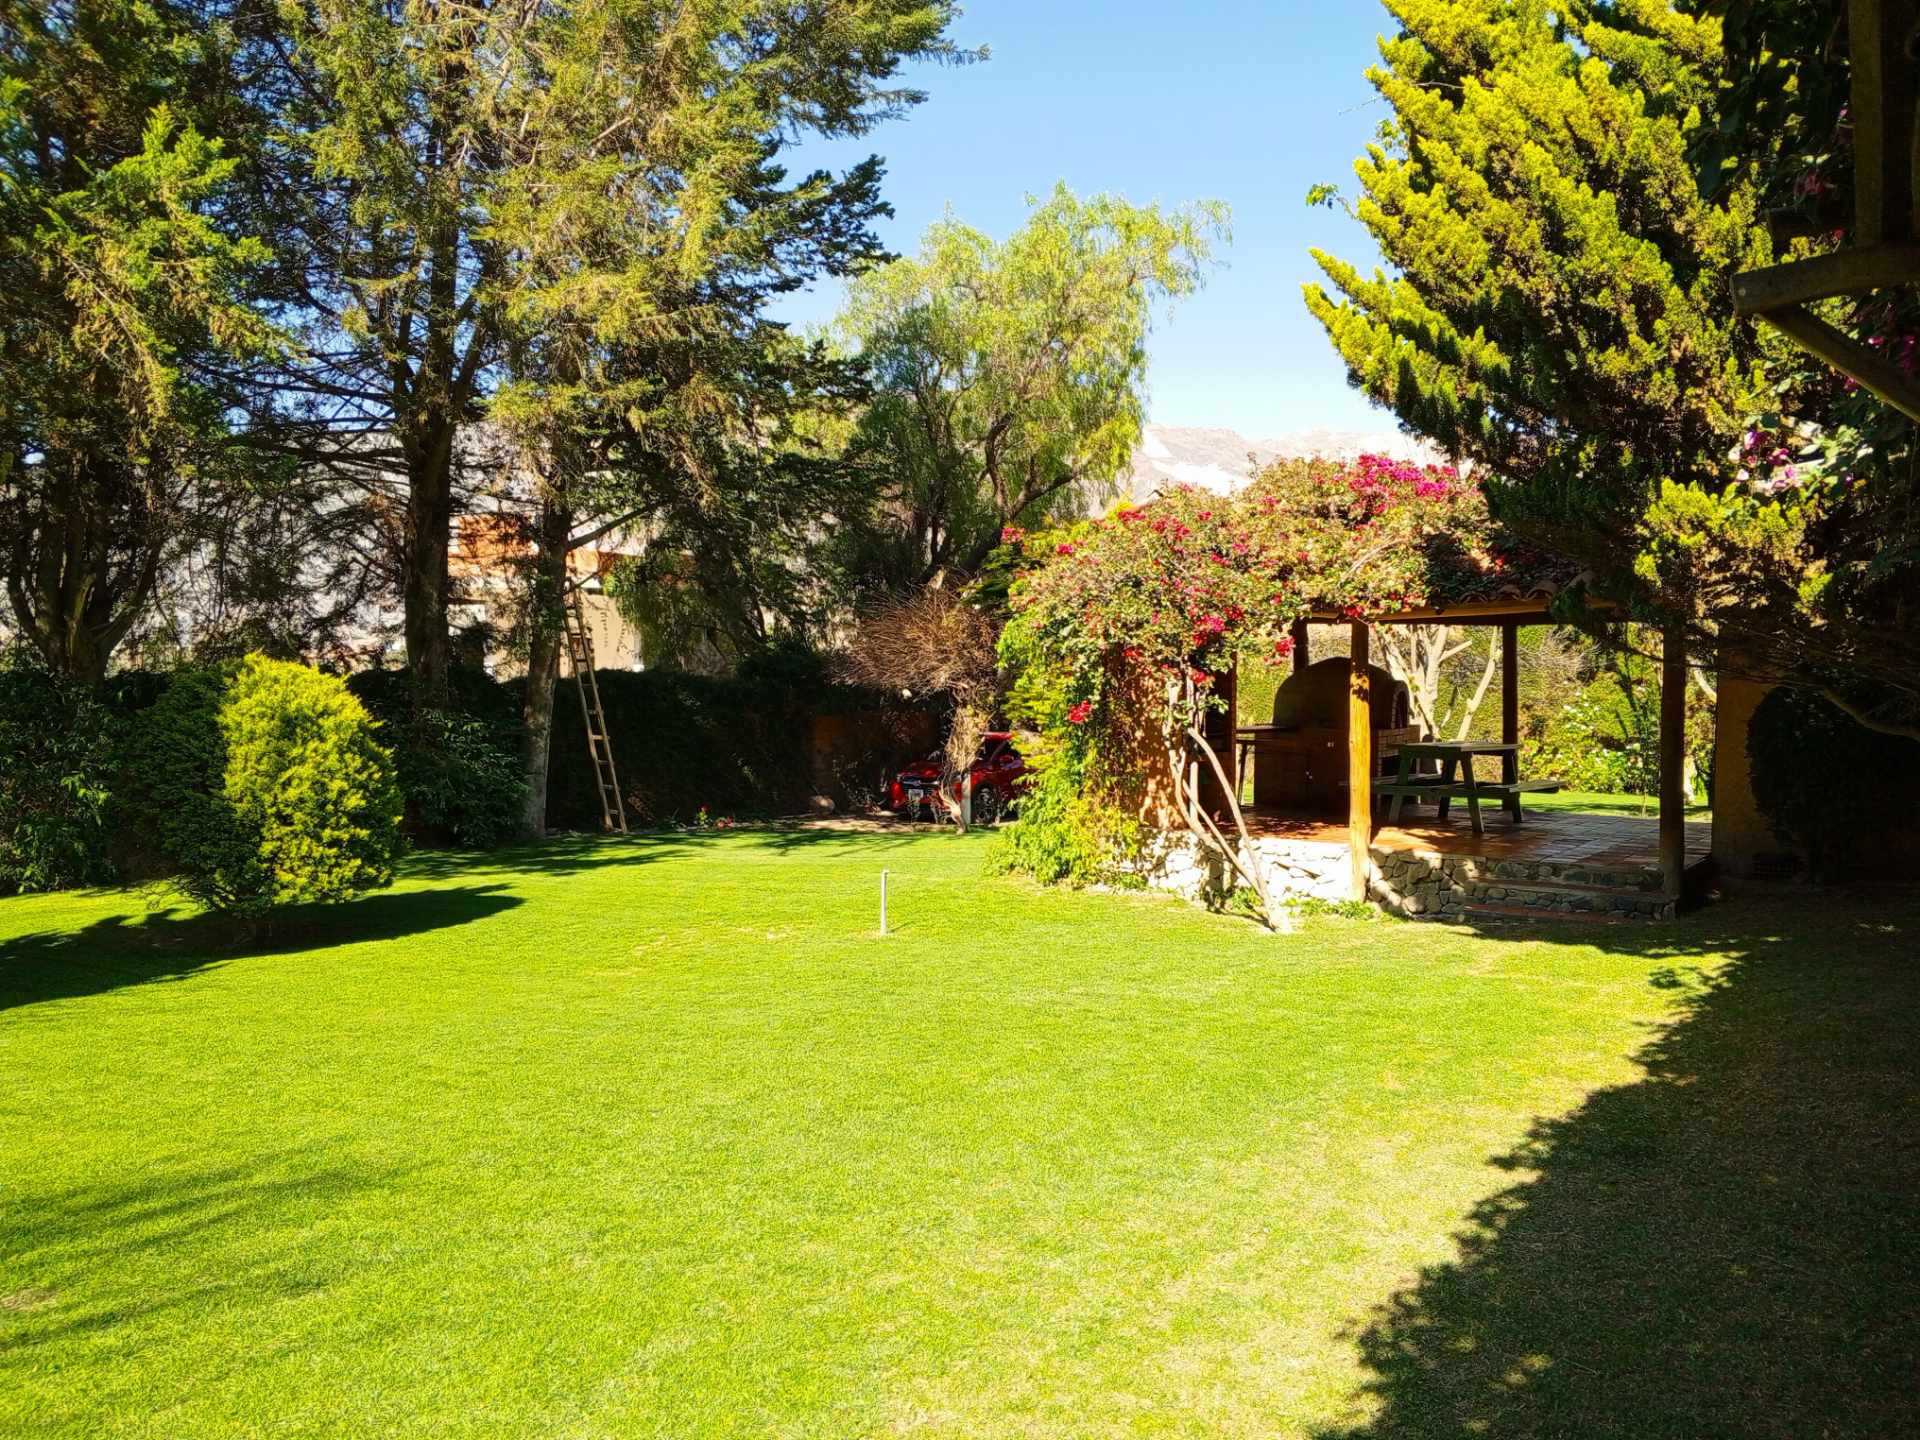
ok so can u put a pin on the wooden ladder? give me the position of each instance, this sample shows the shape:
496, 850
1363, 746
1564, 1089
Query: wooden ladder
613, 810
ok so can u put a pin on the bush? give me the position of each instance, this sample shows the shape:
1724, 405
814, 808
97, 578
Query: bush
57, 743
1825, 782
1064, 835
460, 770
261, 783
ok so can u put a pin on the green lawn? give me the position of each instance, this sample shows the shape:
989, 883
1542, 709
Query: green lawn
658, 1138
1590, 803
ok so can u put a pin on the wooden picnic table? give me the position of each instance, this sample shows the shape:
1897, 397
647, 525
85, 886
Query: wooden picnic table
1456, 779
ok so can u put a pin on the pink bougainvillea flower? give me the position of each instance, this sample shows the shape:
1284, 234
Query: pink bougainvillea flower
1012, 535
1065, 547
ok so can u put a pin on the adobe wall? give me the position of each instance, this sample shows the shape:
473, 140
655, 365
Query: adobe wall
1740, 832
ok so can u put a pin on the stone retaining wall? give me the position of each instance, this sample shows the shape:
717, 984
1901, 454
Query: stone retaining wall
1295, 869
1420, 884
1432, 886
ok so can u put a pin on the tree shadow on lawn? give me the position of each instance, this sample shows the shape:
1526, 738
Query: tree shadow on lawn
121, 950
65, 1250
556, 855
1727, 1247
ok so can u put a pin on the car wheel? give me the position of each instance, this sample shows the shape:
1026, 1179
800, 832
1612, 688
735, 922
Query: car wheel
988, 805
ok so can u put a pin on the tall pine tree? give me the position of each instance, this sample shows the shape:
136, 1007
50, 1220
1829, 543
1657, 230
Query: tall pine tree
1558, 310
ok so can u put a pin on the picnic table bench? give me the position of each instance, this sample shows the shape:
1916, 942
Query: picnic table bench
1442, 788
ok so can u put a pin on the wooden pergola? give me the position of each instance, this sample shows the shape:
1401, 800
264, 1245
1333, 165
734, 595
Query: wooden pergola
1509, 615
1884, 44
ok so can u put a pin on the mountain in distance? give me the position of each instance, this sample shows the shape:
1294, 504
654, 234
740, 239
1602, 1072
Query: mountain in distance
1223, 460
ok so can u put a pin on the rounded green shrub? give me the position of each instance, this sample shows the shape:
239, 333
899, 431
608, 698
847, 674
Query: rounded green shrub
262, 783
56, 754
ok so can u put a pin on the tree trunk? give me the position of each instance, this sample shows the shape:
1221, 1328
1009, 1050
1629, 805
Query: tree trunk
427, 585
546, 632
72, 598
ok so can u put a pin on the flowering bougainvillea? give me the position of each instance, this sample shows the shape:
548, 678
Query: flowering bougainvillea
1194, 583
1183, 589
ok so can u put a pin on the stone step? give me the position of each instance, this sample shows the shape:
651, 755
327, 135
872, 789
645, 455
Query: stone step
1489, 910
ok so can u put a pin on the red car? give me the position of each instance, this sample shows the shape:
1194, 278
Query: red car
999, 775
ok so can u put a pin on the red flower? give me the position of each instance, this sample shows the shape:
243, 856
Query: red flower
1012, 535
1079, 713
1065, 547
1283, 647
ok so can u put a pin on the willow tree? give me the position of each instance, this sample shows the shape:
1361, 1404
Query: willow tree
1010, 375
1557, 308
440, 154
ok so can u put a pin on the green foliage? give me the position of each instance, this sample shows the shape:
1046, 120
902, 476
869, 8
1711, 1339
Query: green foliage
737, 745
1558, 309
1825, 782
459, 767
1065, 835
569, 218
1592, 743
57, 743
1010, 376
127, 309
262, 784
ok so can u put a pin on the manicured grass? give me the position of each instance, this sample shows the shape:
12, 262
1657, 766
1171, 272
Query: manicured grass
658, 1138
1592, 803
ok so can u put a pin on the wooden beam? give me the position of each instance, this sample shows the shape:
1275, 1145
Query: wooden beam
1870, 368
1360, 760
1853, 271
1302, 645
1510, 699
1673, 749
1880, 110
1469, 612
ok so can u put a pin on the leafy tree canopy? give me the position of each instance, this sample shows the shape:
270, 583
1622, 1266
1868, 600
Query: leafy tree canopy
1559, 311
126, 294
1010, 375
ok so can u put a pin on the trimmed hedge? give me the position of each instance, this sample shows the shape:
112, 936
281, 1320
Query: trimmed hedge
460, 770
737, 745
1824, 781
57, 748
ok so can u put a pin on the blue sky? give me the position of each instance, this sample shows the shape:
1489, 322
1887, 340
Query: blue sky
1225, 99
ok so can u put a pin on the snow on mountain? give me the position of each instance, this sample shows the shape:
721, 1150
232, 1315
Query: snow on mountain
1223, 460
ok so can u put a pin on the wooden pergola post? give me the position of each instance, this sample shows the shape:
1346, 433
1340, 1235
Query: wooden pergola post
1360, 760
1673, 747
1510, 700
1302, 646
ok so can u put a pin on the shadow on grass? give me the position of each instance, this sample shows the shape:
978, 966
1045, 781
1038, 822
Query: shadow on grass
557, 855
67, 1250
121, 950
1726, 1247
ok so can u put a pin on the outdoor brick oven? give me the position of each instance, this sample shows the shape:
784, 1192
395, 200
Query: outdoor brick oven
1300, 760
